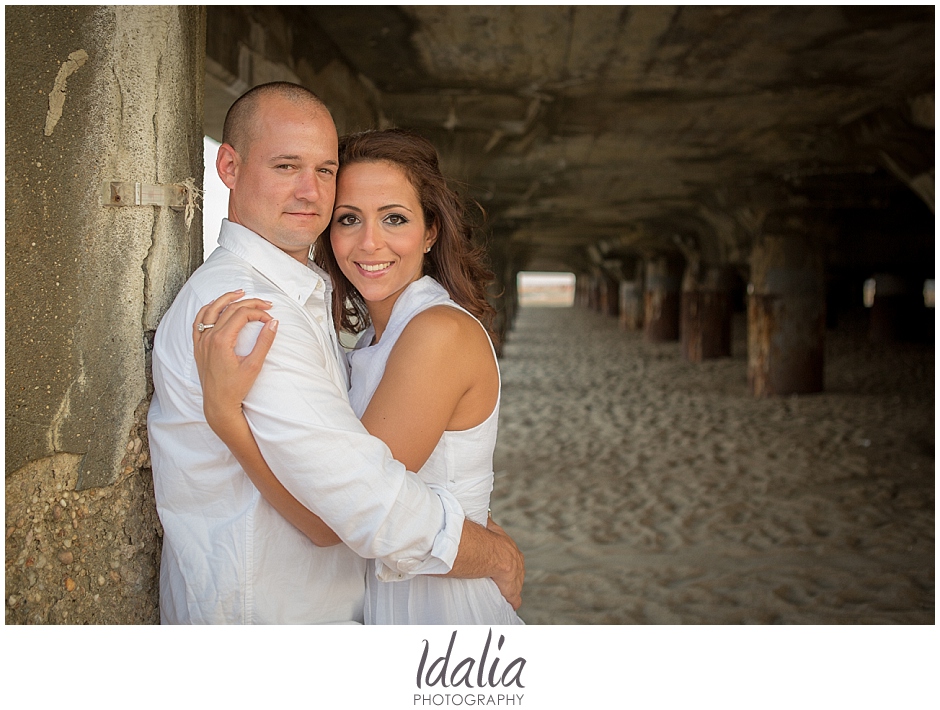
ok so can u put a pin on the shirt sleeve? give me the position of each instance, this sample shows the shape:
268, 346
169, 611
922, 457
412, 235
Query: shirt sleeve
322, 454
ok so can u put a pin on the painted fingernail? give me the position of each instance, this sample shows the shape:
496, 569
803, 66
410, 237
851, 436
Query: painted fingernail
273, 325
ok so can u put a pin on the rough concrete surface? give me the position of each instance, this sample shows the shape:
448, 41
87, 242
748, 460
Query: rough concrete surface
83, 557
86, 286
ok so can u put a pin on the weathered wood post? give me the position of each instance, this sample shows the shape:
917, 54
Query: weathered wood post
609, 295
706, 312
661, 299
786, 317
631, 299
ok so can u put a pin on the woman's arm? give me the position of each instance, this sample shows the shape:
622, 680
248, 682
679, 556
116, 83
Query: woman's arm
226, 383
440, 376
236, 435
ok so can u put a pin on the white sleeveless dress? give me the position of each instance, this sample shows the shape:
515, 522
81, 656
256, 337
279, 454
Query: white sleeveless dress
462, 462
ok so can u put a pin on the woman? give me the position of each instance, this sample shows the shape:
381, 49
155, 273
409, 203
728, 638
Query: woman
424, 376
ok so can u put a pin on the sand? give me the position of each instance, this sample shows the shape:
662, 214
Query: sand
647, 490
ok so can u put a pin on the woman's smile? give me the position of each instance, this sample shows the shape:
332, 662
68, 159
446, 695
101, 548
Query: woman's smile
373, 269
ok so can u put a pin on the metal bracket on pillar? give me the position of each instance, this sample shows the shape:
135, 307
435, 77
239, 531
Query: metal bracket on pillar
139, 194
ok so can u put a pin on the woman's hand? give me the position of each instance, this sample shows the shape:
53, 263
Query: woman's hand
225, 376
226, 379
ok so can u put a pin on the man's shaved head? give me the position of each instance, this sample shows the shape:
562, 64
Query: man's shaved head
238, 130
279, 160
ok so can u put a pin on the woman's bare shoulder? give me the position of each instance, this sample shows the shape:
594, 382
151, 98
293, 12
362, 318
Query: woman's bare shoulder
444, 332
449, 350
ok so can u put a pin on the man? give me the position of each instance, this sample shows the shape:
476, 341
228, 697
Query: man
228, 556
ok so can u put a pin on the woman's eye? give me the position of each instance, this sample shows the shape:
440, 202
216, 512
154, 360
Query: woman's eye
347, 220
396, 219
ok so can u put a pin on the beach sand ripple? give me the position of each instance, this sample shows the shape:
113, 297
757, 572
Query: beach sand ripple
645, 489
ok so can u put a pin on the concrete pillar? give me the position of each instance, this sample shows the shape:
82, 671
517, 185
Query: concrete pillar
609, 296
582, 293
587, 290
631, 298
594, 292
631, 305
511, 298
706, 313
661, 299
786, 317
94, 94
498, 292
894, 312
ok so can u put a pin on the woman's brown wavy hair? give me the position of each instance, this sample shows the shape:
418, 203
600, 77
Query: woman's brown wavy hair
455, 261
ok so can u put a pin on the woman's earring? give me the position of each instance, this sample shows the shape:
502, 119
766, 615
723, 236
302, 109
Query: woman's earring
427, 250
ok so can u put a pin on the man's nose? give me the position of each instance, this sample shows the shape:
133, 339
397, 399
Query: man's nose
308, 187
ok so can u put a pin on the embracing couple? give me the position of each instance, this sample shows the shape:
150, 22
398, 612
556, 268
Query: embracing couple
283, 466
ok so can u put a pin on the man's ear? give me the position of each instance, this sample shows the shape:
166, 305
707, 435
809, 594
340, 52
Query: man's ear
226, 164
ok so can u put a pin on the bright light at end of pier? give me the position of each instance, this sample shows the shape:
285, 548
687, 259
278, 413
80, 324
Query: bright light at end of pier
546, 288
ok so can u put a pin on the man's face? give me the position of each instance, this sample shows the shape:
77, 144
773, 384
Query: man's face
283, 185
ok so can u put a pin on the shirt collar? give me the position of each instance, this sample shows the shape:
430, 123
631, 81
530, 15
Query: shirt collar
285, 272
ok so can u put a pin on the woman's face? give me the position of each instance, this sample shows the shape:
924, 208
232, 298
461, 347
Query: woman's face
378, 232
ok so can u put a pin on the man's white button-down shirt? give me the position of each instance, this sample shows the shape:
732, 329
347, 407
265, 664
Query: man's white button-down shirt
228, 556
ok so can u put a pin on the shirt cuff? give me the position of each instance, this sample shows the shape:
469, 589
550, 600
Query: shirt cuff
443, 552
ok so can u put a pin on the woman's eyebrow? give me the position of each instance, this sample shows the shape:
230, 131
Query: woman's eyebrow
380, 209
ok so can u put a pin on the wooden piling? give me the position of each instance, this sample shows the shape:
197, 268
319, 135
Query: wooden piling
786, 317
705, 330
661, 299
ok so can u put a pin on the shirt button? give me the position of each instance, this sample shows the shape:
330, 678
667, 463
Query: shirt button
319, 319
